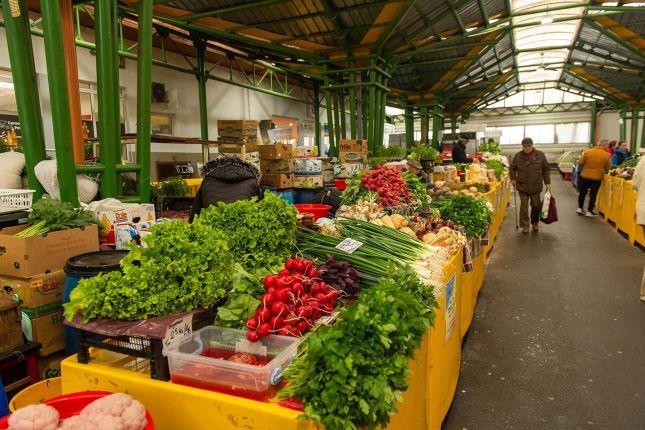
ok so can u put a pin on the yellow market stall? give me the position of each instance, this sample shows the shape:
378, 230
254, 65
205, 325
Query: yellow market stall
617, 204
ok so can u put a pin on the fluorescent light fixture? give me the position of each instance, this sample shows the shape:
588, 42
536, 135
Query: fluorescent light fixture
548, 19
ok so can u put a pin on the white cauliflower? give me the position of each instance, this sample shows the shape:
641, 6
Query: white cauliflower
74, 423
115, 412
34, 417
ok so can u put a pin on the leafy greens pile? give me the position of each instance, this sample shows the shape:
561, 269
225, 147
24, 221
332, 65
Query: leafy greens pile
417, 188
352, 374
497, 166
183, 267
471, 212
259, 233
51, 215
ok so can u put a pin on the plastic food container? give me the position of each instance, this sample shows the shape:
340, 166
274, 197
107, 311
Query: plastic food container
340, 184
202, 361
319, 211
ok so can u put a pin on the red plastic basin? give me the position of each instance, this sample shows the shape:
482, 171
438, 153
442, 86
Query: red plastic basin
72, 404
340, 184
319, 211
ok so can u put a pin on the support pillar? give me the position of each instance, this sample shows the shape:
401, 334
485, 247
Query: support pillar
330, 119
200, 50
364, 112
144, 98
425, 124
623, 125
409, 127
381, 117
453, 125
337, 125
343, 115
633, 139
352, 102
21, 56
371, 132
107, 72
57, 78
437, 125
592, 128
317, 139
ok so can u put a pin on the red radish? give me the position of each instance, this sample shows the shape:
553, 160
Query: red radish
264, 330
302, 326
269, 281
331, 296
276, 322
279, 308
284, 272
297, 289
252, 323
283, 295
290, 264
263, 314
252, 336
301, 266
268, 299
272, 290
286, 330
320, 297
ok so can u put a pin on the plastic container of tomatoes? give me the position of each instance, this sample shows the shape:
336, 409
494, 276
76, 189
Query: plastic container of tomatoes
72, 404
222, 359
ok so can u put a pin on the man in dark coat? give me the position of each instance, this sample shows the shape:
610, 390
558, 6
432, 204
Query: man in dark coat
529, 170
226, 179
459, 151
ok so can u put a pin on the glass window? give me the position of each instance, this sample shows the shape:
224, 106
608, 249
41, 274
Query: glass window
541, 133
512, 135
533, 97
572, 132
161, 123
552, 96
514, 100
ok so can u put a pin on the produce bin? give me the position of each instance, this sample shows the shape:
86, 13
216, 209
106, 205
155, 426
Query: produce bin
204, 361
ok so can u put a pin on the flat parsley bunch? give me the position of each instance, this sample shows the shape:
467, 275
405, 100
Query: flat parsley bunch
471, 212
259, 233
183, 267
352, 374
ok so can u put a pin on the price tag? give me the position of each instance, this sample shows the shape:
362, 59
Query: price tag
180, 329
349, 245
328, 319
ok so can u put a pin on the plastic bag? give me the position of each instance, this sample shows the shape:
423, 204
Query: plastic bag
11, 165
48, 176
549, 213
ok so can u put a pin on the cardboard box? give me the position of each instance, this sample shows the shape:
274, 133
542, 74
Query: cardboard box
30, 256
347, 170
353, 157
39, 295
307, 151
312, 181
348, 145
276, 151
49, 367
237, 128
328, 177
130, 214
278, 180
276, 166
308, 166
48, 330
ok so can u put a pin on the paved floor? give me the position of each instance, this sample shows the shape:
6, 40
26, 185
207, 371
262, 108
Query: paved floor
558, 338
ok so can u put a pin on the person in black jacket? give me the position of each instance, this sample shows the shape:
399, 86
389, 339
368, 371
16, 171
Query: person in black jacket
226, 179
459, 151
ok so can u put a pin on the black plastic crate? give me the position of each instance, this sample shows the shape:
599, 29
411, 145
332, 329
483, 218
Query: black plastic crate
172, 206
147, 348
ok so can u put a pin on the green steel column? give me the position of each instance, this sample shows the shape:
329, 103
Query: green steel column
409, 127
642, 135
107, 73
200, 48
57, 78
453, 125
352, 101
364, 111
144, 97
317, 139
623, 125
330, 118
21, 56
633, 139
371, 118
592, 127
343, 114
381, 116
425, 125
437, 124
337, 124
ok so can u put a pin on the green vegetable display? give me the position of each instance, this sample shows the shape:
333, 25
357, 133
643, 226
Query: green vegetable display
497, 166
492, 147
52, 215
417, 188
471, 212
630, 161
183, 267
422, 152
259, 233
244, 298
352, 374
171, 187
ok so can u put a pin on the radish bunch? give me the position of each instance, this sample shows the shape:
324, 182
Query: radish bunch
294, 299
389, 185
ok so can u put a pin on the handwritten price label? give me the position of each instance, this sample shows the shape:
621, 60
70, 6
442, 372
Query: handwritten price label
349, 245
180, 329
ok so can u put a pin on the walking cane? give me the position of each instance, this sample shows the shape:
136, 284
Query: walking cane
517, 226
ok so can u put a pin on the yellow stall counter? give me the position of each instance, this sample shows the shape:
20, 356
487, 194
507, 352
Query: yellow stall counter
435, 370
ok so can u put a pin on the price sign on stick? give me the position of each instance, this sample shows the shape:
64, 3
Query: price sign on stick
349, 245
178, 330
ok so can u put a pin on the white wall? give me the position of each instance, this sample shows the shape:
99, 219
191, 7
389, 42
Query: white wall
224, 101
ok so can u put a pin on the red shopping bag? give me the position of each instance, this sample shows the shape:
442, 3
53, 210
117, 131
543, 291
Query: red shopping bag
551, 214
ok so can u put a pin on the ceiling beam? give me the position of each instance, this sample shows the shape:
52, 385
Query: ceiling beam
482, 8
404, 8
232, 9
491, 88
619, 34
332, 15
455, 13
599, 84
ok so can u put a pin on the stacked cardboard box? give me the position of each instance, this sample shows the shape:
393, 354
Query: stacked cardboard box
352, 151
237, 131
277, 165
308, 173
32, 269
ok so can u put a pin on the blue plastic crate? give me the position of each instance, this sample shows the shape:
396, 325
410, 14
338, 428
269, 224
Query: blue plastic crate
287, 195
304, 195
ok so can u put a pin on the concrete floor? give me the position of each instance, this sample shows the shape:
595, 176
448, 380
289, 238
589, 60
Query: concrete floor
558, 337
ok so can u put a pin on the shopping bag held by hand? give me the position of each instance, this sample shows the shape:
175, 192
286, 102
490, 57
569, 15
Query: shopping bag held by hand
549, 213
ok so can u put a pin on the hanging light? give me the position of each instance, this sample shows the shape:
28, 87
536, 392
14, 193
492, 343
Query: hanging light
546, 19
